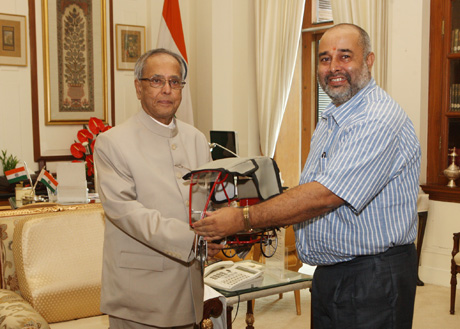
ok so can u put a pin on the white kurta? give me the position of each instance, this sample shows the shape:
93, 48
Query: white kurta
149, 273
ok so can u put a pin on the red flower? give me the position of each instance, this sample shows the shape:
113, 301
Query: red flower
84, 150
83, 135
95, 125
89, 164
105, 128
92, 145
78, 150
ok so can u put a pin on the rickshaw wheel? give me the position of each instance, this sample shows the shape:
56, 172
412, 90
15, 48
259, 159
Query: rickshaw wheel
268, 243
229, 253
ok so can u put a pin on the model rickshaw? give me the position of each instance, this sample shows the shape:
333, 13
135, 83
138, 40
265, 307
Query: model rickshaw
235, 182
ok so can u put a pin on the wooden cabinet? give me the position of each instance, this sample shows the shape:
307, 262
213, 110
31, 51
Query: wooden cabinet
444, 97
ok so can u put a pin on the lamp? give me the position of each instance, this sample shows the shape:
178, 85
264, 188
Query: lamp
214, 145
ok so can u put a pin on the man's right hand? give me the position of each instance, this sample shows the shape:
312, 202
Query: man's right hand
220, 223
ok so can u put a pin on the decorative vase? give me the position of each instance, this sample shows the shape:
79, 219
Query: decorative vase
75, 92
453, 171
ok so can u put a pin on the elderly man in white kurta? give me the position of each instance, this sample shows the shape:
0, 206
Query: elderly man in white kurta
150, 278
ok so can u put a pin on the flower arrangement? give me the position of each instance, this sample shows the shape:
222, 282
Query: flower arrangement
84, 148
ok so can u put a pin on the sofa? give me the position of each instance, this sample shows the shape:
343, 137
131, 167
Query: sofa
51, 265
51, 274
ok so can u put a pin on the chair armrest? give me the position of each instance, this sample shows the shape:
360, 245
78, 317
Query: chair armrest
212, 308
15, 312
456, 244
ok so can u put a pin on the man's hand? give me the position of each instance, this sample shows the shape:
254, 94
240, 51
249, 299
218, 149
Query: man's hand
213, 249
220, 223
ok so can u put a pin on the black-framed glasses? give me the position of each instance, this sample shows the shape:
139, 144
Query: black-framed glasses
158, 82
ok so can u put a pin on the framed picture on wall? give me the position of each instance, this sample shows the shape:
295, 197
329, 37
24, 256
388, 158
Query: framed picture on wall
130, 41
48, 148
74, 61
13, 43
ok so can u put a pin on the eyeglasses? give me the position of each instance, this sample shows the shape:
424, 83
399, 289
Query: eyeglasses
157, 82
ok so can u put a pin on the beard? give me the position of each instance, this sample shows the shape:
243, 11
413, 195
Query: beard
340, 96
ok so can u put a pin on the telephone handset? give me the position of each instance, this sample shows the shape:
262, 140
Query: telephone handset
230, 276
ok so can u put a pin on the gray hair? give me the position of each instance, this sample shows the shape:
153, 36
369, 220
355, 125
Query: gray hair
139, 67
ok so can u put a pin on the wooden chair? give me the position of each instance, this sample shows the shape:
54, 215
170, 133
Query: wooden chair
455, 268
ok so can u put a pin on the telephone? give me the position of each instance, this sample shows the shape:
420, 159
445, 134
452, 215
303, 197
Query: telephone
229, 276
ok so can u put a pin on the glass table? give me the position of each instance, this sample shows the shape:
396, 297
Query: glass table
275, 282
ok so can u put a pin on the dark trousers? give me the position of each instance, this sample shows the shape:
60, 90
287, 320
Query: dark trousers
368, 292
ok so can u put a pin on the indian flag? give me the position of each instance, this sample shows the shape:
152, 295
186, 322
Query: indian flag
46, 178
171, 36
16, 175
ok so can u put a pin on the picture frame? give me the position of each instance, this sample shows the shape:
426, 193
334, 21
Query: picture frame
13, 40
74, 61
42, 152
130, 45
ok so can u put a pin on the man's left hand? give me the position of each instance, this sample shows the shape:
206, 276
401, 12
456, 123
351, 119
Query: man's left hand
214, 248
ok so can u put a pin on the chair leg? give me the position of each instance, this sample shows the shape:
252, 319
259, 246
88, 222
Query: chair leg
280, 296
453, 287
297, 302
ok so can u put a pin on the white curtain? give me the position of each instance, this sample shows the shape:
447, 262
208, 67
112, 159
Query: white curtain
372, 16
278, 30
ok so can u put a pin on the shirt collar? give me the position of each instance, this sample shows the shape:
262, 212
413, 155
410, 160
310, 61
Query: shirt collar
156, 127
171, 125
344, 111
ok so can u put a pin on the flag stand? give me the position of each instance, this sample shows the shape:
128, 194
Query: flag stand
33, 198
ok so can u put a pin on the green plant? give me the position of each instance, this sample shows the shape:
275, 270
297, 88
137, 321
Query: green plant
8, 162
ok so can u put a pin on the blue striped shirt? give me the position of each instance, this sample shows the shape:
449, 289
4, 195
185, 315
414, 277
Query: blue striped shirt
367, 153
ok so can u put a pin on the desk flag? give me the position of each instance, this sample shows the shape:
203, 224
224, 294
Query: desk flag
171, 37
16, 175
46, 178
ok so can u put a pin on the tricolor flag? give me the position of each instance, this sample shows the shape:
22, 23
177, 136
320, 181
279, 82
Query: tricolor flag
16, 175
171, 37
46, 178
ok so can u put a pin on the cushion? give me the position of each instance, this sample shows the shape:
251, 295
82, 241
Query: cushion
58, 259
95, 322
18, 314
8, 277
457, 259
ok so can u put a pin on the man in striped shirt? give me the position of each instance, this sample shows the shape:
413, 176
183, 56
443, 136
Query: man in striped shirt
355, 207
